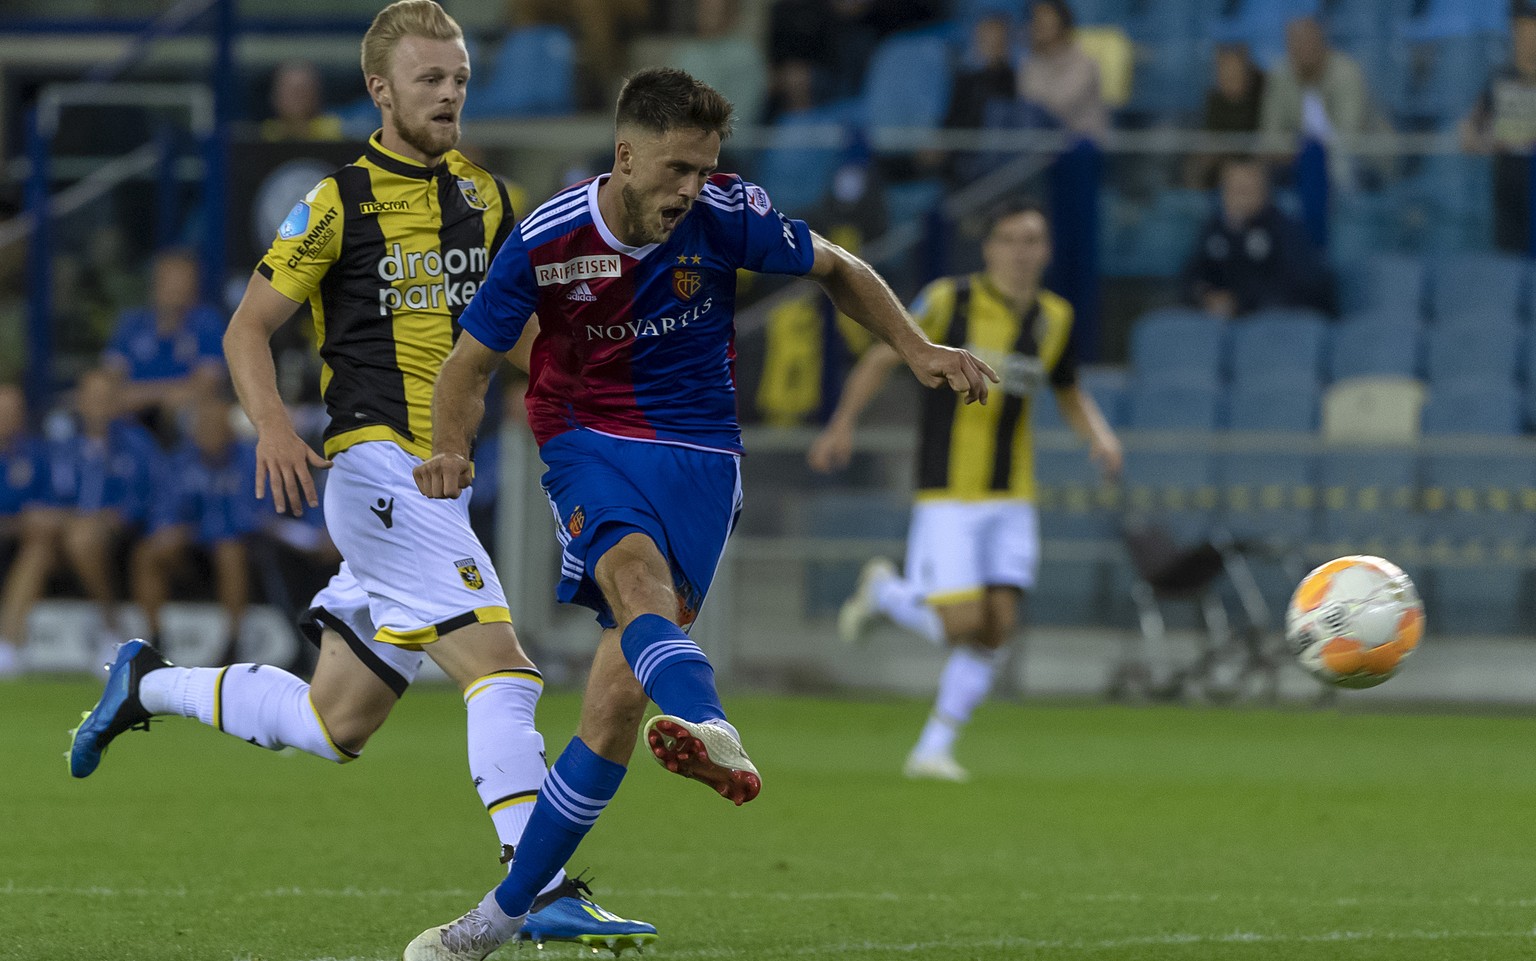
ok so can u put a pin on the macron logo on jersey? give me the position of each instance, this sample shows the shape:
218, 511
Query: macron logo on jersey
589, 267
582, 293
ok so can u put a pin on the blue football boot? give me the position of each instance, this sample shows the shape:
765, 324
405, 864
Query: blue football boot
567, 913
118, 710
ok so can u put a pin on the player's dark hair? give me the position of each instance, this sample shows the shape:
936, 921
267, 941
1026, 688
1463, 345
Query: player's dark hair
660, 99
1012, 207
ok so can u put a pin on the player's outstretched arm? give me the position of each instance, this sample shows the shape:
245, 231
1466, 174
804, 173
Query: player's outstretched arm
283, 460
1082, 414
833, 447
458, 404
864, 295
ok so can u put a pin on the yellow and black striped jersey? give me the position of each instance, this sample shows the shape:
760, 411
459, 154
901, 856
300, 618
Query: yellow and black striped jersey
976, 451
388, 252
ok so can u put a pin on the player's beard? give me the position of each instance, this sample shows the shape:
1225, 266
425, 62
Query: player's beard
645, 224
428, 137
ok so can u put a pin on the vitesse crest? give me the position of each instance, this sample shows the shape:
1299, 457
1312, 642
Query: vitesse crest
686, 283
470, 572
577, 522
471, 194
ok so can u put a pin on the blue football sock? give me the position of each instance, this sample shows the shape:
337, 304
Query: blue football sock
574, 794
671, 668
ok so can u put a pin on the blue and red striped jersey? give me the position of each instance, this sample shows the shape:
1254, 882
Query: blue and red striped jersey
638, 342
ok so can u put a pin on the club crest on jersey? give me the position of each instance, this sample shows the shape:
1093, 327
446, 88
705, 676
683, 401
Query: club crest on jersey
686, 283
472, 194
577, 522
470, 572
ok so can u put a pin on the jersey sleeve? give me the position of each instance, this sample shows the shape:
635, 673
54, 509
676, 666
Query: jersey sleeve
1064, 371
308, 243
773, 242
932, 307
506, 299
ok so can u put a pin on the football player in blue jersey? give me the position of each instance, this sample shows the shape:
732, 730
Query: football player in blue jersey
632, 398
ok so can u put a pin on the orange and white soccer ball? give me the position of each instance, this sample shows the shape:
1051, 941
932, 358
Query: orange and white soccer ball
1354, 620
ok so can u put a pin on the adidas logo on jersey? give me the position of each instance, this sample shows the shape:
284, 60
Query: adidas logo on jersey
582, 293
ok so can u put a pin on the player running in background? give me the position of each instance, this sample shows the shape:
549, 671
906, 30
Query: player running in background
974, 543
387, 251
632, 399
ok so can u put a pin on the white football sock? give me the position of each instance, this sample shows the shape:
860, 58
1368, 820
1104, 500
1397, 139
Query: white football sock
506, 751
255, 702
901, 601
964, 684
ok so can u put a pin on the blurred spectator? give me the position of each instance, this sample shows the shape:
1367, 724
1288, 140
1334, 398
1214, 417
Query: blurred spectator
205, 507
1504, 123
793, 89
1057, 76
298, 105
1252, 255
29, 523
169, 352
726, 57
1316, 92
985, 75
104, 475
837, 37
1232, 105
598, 27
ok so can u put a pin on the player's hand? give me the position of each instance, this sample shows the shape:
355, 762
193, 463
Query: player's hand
936, 365
444, 476
284, 461
1109, 458
831, 450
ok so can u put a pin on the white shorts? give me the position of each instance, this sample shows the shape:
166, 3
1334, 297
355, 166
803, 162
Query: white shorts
423, 568
342, 606
957, 549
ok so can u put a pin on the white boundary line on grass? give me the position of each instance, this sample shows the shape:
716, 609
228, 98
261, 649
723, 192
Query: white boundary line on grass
11, 888
1107, 944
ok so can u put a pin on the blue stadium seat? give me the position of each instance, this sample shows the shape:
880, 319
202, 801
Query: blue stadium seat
1156, 22
1385, 284
1166, 403
1480, 286
1279, 343
907, 83
1260, 24
1463, 351
1374, 345
1178, 341
1162, 88
1473, 407
1368, 498
532, 75
1284, 404
1443, 19
1436, 80
1269, 495
796, 175
846, 514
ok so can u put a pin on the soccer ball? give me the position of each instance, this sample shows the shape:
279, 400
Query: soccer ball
1354, 620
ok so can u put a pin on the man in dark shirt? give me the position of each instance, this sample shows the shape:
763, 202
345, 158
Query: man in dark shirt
1252, 255
1504, 123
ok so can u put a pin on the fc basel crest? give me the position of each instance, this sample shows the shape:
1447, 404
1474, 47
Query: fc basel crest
577, 522
470, 572
686, 283
472, 194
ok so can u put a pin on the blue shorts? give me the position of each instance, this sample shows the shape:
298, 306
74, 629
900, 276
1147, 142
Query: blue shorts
603, 488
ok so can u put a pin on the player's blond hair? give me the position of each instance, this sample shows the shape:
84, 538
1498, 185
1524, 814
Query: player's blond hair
405, 18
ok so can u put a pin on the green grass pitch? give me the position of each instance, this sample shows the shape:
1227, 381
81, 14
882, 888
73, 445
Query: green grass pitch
1089, 832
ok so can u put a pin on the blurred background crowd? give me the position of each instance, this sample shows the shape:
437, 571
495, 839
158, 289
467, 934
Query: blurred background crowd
1309, 218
